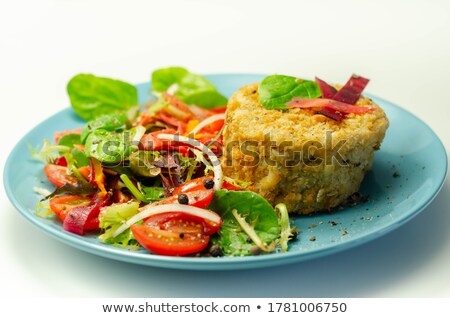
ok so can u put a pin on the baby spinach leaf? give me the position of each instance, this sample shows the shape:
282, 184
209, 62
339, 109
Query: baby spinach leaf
81, 160
92, 96
109, 146
257, 212
276, 90
70, 140
108, 122
207, 98
192, 88
164, 77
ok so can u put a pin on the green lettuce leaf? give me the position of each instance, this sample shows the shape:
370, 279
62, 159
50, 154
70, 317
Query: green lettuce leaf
112, 218
256, 211
276, 90
92, 96
192, 88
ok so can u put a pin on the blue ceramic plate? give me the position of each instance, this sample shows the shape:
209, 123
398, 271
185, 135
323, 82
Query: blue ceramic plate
411, 152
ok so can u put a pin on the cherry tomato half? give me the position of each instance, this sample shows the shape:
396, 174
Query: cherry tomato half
172, 234
62, 205
59, 175
193, 185
198, 198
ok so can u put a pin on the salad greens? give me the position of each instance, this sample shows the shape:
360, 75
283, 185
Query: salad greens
70, 140
110, 146
191, 88
112, 218
258, 215
108, 122
276, 90
92, 96
119, 165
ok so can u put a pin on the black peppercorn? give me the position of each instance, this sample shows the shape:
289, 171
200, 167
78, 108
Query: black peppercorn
183, 199
208, 183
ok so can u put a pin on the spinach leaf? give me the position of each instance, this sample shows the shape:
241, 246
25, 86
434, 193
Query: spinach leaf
207, 99
92, 96
258, 213
192, 88
109, 146
70, 140
108, 122
81, 160
164, 77
276, 90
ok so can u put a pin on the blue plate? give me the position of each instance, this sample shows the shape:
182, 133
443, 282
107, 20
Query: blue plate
407, 174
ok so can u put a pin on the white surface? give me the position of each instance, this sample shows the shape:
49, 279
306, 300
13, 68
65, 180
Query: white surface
402, 46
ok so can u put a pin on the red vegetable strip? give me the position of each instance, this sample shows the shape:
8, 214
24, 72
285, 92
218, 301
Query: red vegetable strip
329, 103
332, 113
61, 161
97, 176
327, 90
352, 90
83, 218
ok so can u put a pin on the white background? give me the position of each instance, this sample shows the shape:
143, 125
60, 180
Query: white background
402, 46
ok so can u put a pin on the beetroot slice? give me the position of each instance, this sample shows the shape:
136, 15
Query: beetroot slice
327, 90
79, 216
350, 93
332, 113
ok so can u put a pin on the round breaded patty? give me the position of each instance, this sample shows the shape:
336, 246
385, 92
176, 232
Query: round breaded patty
297, 157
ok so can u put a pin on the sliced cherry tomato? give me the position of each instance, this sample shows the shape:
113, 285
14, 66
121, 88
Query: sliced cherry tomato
193, 185
62, 205
152, 142
59, 175
198, 198
171, 234
179, 222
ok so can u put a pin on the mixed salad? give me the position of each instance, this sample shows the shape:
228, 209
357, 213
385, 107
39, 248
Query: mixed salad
149, 176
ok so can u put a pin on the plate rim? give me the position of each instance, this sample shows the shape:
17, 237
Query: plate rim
223, 263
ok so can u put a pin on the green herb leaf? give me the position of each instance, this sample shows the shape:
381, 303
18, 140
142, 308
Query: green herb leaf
92, 96
256, 211
164, 77
80, 158
109, 146
276, 90
70, 140
192, 88
108, 122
